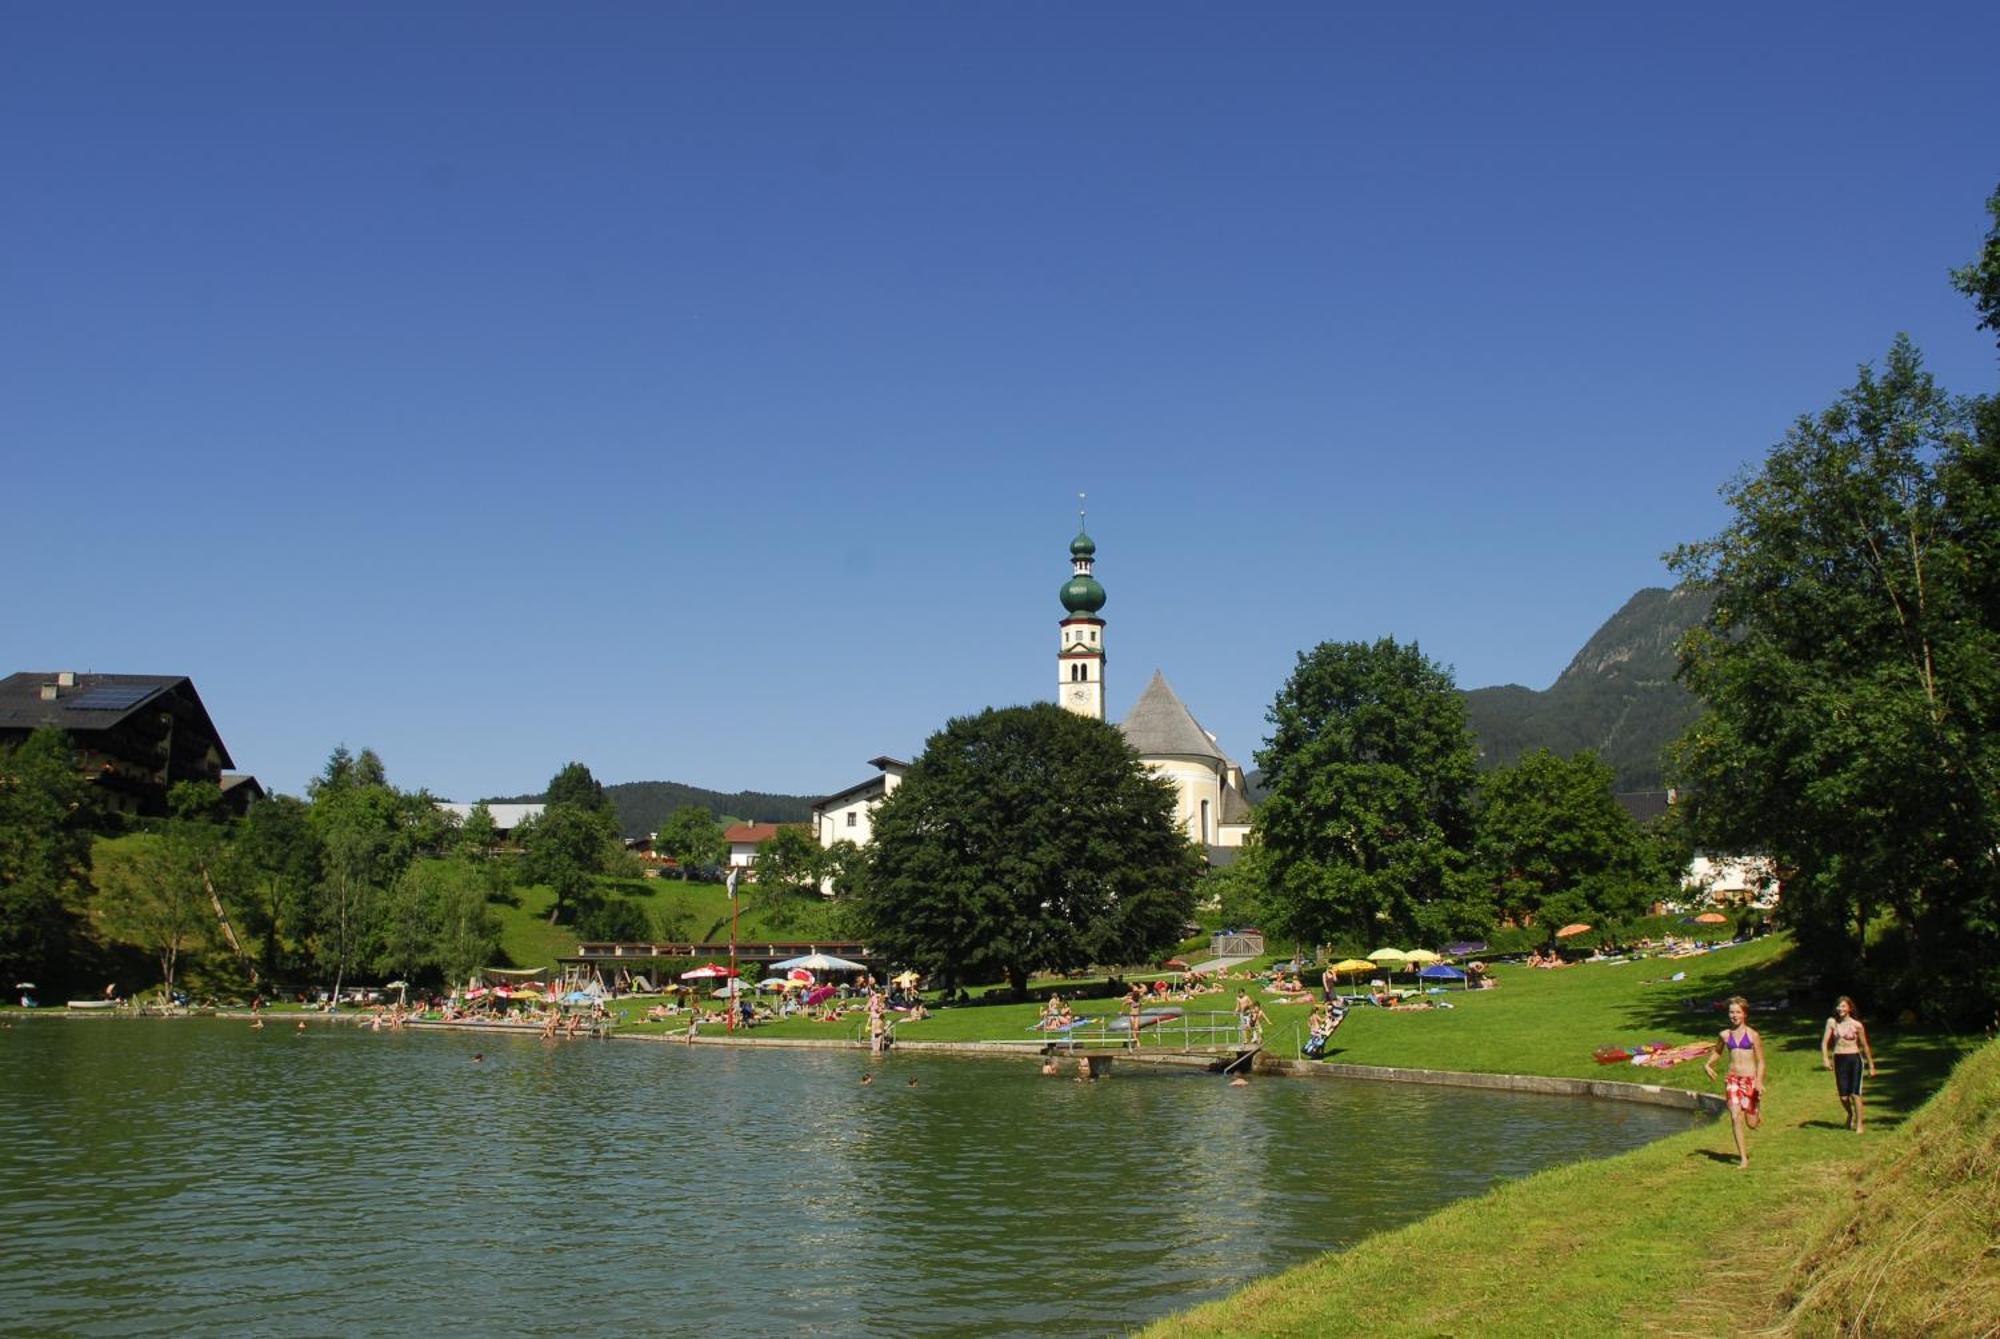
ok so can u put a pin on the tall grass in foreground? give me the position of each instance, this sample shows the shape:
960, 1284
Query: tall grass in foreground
1914, 1246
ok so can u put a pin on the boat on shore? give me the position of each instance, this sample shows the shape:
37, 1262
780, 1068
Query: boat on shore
93, 1004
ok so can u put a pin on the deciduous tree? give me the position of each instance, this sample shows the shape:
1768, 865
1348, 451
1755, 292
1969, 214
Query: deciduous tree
692, 839
1026, 839
46, 817
1369, 776
1553, 845
1850, 671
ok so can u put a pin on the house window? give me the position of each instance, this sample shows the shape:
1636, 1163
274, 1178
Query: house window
851, 817
1204, 822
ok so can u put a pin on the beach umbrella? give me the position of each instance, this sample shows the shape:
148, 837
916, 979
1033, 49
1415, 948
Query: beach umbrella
1711, 918
775, 983
1352, 965
709, 972
1441, 971
24, 985
1576, 929
1174, 965
906, 979
799, 976
1382, 955
727, 990
1421, 957
1465, 948
819, 962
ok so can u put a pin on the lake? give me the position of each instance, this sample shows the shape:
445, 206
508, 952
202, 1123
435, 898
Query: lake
193, 1175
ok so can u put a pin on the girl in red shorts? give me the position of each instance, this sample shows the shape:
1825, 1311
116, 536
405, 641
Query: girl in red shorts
1744, 1083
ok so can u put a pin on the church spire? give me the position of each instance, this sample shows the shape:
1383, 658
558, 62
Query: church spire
1080, 661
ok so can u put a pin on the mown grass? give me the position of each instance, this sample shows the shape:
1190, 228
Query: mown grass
1671, 1238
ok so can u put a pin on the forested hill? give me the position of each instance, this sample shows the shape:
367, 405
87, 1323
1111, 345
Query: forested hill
644, 805
1618, 695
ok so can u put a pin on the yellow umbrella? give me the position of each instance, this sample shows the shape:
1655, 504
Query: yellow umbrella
1387, 955
906, 979
1352, 965
1421, 957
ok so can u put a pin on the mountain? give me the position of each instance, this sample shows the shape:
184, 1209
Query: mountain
643, 805
1617, 696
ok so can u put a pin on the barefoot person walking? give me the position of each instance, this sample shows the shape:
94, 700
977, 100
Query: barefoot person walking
1744, 1083
1841, 1048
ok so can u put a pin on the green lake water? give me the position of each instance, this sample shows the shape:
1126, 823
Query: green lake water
193, 1176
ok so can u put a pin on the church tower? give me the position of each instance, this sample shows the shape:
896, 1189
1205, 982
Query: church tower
1080, 661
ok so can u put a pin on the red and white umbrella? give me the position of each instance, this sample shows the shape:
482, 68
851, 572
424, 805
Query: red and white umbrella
709, 972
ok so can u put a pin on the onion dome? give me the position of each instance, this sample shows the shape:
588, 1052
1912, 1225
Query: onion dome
1082, 595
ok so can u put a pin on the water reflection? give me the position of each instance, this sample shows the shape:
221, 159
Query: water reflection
193, 1174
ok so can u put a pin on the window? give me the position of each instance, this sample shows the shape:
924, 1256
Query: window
1204, 821
852, 816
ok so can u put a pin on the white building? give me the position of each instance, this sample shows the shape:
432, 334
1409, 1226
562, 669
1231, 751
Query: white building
506, 817
849, 815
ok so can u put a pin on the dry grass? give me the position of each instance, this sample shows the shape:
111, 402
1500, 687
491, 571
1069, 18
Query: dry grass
1915, 1248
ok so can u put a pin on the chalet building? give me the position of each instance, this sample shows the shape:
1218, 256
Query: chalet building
849, 815
239, 791
136, 735
744, 839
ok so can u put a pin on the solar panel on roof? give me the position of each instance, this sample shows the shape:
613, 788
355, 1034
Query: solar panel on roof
109, 697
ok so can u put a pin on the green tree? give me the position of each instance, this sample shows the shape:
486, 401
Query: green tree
277, 874
1850, 671
1369, 774
1553, 845
46, 817
789, 862
567, 848
478, 836
576, 787
692, 839
1980, 280
151, 893
438, 924
366, 839
1026, 839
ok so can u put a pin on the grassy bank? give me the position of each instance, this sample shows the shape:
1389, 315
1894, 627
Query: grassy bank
1671, 1238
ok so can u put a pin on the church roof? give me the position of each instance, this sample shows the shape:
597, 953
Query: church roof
1160, 724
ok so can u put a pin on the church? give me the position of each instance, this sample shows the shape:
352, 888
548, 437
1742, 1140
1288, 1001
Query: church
1213, 804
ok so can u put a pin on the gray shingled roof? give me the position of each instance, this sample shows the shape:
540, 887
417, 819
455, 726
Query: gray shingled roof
1160, 725
1235, 805
22, 706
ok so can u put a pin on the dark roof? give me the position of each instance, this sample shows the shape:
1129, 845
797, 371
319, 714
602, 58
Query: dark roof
1646, 805
1235, 805
92, 702
1159, 725
874, 784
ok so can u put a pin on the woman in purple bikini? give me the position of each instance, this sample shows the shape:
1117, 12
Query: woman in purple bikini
1744, 1083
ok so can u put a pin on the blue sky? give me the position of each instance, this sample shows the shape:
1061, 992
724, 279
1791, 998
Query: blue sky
703, 391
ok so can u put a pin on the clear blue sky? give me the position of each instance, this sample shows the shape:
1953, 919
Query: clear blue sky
702, 390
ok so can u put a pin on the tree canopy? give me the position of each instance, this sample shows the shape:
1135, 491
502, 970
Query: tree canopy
46, 817
1026, 839
1850, 670
1369, 772
1552, 844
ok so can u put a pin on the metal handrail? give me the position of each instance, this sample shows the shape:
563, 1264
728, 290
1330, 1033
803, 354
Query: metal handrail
1208, 1030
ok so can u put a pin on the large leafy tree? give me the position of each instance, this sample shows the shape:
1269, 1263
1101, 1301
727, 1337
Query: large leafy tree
567, 848
692, 839
576, 787
277, 873
152, 892
1026, 839
1369, 775
790, 862
46, 817
1552, 844
437, 922
1850, 671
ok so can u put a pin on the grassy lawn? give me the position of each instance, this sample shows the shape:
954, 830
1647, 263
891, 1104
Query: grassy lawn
1670, 1238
